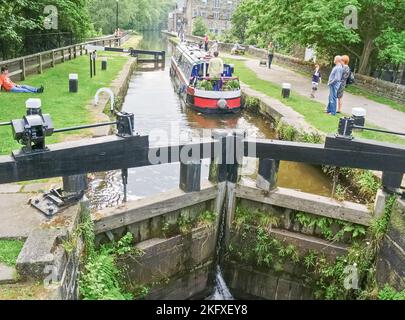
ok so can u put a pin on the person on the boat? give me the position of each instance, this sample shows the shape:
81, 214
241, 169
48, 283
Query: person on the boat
216, 66
215, 70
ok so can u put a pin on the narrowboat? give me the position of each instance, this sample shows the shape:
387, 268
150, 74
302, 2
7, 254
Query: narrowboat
189, 72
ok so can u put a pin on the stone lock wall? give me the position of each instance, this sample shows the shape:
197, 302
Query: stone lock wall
391, 258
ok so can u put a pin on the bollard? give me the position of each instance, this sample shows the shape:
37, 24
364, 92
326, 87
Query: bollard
73, 83
286, 90
267, 174
190, 176
75, 184
359, 117
104, 64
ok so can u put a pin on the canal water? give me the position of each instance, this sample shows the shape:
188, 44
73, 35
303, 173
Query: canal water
160, 114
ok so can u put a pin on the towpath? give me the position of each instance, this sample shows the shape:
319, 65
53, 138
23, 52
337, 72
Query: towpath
378, 114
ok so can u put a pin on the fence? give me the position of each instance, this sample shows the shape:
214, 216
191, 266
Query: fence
35, 63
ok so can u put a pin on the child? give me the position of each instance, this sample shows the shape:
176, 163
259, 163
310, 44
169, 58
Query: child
316, 80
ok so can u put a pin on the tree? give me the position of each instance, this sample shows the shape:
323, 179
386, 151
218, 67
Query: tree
320, 23
199, 27
133, 14
20, 19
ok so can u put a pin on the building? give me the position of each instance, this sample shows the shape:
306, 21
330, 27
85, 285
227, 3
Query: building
177, 19
216, 13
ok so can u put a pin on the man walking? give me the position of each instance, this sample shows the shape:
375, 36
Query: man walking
206, 42
334, 83
270, 51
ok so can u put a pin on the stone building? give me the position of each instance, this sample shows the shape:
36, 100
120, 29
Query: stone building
216, 13
177, 18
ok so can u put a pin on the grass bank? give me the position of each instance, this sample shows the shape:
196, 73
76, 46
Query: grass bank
67, 109
132, 42
312, 111
9, 251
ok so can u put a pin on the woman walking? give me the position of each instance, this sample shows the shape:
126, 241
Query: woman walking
345, 76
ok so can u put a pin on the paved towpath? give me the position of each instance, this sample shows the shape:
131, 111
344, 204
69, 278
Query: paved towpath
378, 114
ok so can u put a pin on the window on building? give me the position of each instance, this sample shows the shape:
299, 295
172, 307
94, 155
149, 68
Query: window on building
217, 3
216, 15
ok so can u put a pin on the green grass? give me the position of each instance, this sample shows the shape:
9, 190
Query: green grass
312, 111
67, 109
9, 251
353, 89
132, 42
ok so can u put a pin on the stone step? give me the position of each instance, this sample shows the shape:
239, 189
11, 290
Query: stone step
7, 274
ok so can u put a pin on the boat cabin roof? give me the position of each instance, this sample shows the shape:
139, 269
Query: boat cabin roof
194, 61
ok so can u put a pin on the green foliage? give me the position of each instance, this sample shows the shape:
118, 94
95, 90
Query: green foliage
231, 85
340, 192
257, 246
205, 85
325, 227
101, 278
200, 29
321, 24
185, 224
207, 218
380, 225
20, 17
389, 293
252, 104
9, 251
67, 110
363, 182
132, 14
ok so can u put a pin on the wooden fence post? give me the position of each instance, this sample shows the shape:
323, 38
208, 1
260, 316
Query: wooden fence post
63, 55
22, 67
39, 63
53, 59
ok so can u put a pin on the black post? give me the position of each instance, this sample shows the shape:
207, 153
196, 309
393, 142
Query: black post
91, 64
117, 18
94, 63
235, 152
190, 176
124, 175
267, 175
218, 167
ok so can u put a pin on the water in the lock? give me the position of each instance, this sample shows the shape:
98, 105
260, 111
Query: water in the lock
159, 112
